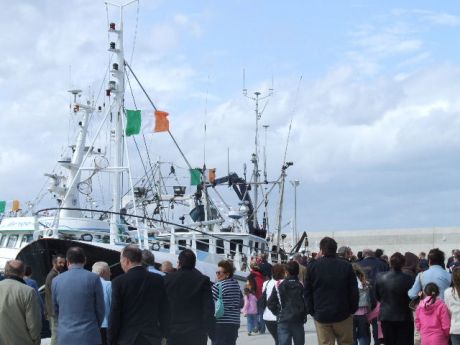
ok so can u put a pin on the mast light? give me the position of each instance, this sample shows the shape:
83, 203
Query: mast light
112, 26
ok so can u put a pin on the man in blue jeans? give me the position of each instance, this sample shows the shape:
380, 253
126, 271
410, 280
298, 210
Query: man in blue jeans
288, 304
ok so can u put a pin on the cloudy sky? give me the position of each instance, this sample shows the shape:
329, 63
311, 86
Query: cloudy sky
372, 89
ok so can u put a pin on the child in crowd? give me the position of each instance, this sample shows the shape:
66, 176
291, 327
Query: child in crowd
361, 327
250, 309
432, 318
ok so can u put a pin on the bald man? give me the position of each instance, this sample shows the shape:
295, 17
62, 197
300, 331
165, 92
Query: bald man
19, 308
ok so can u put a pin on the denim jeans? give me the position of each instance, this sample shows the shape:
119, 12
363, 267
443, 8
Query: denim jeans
252, 322
289, 332
361, 330
455, 339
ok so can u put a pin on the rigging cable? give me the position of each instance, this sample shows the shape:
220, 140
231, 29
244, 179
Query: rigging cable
292, 118
154, 107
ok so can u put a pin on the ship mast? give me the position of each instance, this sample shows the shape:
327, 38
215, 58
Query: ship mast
255, 156
117, 88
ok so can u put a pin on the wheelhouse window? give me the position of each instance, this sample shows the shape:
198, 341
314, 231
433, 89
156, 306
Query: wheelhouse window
26, 239
202, 245
220, 246
182, 244
236, 244
12, 240
4, 240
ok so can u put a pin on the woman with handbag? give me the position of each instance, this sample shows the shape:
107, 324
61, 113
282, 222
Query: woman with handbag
228, 301
278, 273
452, 299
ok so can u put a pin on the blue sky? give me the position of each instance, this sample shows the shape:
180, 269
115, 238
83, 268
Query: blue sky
376, 116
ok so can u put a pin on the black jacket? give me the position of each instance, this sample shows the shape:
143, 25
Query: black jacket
293, 308
331, 289
391, 291
373, 266
139, 310
190, 300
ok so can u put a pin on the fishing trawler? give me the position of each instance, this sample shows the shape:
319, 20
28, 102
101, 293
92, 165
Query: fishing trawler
141, 210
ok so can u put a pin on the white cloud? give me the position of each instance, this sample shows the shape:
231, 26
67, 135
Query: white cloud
372, 112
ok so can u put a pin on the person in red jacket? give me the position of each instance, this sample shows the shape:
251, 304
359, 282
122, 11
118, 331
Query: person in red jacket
257, 276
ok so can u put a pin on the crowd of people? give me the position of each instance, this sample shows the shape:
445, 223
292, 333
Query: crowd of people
404, 299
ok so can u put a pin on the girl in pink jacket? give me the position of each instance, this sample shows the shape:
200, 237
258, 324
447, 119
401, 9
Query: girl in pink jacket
250, 310
432, 318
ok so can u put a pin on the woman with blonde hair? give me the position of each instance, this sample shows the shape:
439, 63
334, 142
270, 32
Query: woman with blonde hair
452, 300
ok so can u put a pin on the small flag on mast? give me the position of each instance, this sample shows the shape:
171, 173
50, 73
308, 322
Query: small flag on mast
16, 206
195, 176
211, 175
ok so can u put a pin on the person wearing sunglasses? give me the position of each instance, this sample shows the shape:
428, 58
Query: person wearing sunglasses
226, 327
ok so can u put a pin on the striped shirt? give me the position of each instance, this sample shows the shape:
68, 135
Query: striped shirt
232, 298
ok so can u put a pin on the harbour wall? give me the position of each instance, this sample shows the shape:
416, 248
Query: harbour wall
392, 240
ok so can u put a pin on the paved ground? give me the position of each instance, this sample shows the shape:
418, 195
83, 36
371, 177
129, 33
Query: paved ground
259, 339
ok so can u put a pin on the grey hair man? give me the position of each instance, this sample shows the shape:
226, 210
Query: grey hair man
19, 308
345, 252
102, 269
148, 261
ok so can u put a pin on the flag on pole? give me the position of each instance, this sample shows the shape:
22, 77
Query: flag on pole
195, 177
2, 206
161, 121
16, 206
134, 121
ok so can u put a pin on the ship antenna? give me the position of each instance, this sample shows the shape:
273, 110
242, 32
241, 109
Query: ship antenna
205, 122
255, 156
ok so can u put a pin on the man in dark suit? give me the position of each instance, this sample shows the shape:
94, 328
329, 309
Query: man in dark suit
78, 302
140, 311
190, 299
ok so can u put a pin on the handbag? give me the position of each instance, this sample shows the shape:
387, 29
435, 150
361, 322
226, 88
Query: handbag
262, 301
413, 304
219, 305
